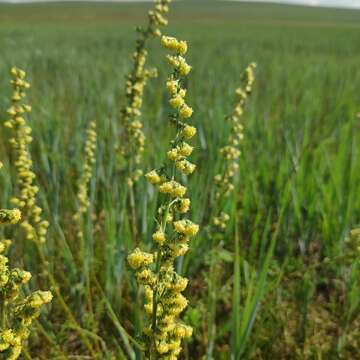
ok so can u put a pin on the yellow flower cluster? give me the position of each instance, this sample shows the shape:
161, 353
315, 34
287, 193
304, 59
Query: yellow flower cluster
83, 184
24, 313
9, 216
134, 141
231, 152
163, 286
35, 228
221, 220
16, 315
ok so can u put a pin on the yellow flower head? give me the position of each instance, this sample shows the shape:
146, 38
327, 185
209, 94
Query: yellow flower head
186, 227
10, 216
172, 86
185, 166
186, 111
173, 188
183, 67
183, 206
188, 131
173, 154
182, 47
153, 177
185, 149
177, 101
169, 42
139, 258
159, 237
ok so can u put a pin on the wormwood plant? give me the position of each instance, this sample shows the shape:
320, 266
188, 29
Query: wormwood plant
81, 217
133, 140
84, 180
34, 226
16, 311
163, 286
225, 182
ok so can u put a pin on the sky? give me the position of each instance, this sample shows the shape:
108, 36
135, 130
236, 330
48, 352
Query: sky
332, 3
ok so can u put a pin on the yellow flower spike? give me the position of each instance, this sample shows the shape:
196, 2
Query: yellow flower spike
84, 180
163, 287
20, 141
19, 313
231, 151
132, 136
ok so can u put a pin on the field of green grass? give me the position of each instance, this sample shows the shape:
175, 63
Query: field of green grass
296, 200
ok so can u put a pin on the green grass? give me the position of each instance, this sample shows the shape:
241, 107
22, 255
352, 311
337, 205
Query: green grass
299, 183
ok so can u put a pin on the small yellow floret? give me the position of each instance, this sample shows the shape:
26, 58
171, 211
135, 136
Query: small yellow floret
159, 237
169, 42
185, 166
189, 131
139, 258
182, 47
172, 86
185, 149
183, 206
186, 227
10, 216
186, 111
153, 177
173, 154
176, 102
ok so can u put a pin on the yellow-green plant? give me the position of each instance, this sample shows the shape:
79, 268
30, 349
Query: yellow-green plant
163, 286
224, 186
134, 138
83, 207
35, 228
231, 151
85, 177
16, 312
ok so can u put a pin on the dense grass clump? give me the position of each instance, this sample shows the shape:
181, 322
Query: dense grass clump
281, 279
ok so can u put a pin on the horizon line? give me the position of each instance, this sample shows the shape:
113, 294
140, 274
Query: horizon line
305, 3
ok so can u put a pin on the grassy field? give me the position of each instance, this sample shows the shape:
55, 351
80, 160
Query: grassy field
297, 196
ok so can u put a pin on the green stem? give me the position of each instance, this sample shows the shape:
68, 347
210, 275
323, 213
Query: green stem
2, 313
